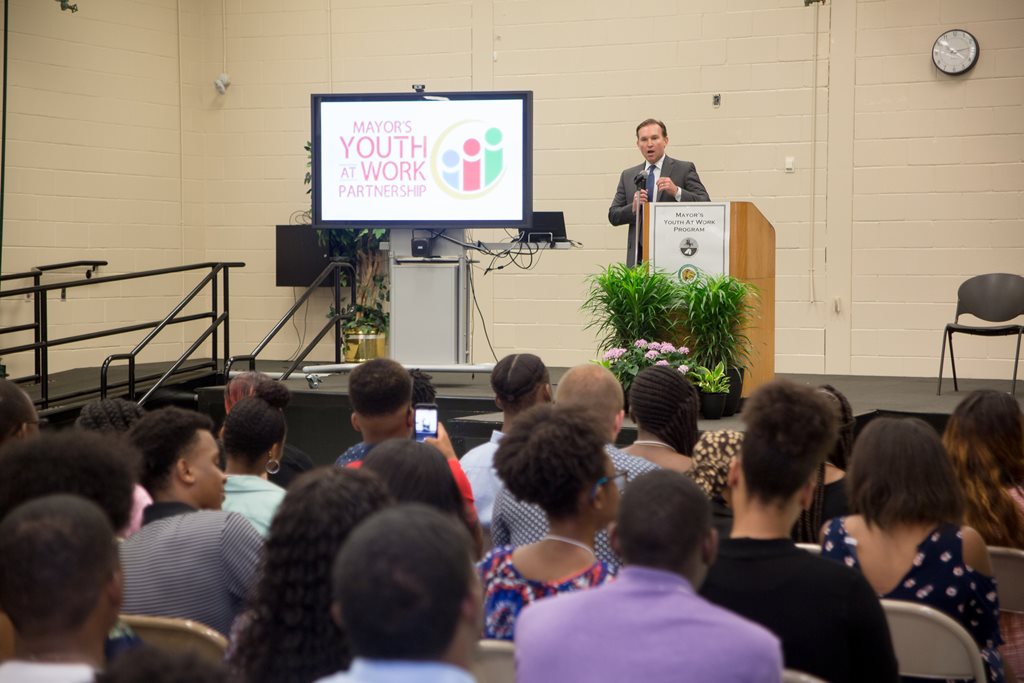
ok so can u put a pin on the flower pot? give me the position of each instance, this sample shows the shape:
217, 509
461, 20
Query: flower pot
732, 404
363, 347
712, 405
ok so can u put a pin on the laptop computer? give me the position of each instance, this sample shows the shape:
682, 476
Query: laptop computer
548, 226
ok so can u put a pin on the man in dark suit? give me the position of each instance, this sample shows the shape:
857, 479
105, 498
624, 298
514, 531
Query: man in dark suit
670, 180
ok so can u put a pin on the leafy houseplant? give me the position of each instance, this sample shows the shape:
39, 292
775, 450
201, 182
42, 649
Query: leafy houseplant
626, 362
713, 384
628, 304
718, 311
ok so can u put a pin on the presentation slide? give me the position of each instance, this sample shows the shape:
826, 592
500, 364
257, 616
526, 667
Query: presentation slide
431, 159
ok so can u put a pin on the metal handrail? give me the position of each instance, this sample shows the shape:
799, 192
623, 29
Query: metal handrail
36, 274
42, 343
335, 266
169, 319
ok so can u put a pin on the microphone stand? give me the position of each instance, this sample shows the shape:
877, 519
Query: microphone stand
640, 180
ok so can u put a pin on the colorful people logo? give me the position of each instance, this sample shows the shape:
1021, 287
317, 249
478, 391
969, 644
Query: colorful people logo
471, 159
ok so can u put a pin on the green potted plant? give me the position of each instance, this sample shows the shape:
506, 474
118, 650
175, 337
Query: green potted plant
717, 310
366, 332
713, 384
630, 303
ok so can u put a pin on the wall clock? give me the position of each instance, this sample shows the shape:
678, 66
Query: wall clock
955, 52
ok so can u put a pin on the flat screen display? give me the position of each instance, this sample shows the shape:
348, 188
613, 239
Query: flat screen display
423, 160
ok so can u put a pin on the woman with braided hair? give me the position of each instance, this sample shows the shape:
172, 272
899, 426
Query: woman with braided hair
829, 498
664, 406
985, 442
293, 460
253, 434
519, 381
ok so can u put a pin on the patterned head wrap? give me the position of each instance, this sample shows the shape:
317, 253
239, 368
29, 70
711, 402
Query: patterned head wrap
711, 457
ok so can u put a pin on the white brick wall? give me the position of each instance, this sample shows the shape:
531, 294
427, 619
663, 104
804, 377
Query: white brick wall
119, 148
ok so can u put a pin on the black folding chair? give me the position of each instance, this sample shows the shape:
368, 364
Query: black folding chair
994, 298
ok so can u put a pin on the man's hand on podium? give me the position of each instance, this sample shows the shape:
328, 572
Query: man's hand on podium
638, 198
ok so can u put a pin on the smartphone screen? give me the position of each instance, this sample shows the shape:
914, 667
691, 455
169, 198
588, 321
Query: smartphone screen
425, 417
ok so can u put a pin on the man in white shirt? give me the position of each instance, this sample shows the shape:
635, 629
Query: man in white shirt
60, 585
408, 597
659, 179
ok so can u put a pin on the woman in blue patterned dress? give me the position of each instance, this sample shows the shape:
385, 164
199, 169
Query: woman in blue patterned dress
553, 457
905, 534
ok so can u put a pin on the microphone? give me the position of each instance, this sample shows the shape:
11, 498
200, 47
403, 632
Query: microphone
640, 180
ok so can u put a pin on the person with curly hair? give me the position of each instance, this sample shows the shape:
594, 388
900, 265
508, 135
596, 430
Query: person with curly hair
553, 457
985, 442
664, 407
287, 634
253, 435
293, 460
829, 498
595, 389
520, 381
18, 419
830, 622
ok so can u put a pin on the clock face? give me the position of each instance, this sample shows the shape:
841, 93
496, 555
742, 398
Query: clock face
955, 52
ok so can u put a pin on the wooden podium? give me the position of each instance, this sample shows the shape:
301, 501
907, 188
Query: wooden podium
751, 257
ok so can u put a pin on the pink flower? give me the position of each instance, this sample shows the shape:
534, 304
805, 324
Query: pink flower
662, 362
684, 369
614, 354
651, 355
667, 348
640, 343
684, 350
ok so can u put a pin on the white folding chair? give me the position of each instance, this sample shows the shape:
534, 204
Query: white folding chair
929, 644
1008, 567
494, 662
793, 676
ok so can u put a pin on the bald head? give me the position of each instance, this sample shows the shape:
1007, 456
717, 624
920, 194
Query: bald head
595, 388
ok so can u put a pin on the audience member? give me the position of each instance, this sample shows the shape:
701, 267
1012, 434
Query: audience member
905, 534
60, 585
552, 457
712, 456
406, 595
632, 629
423, 390
418, 473
253, 435
595, 388
830, 622
190, 559
664, 407
381, 394
83, 464
985, 440
519, 381
293, 461
287, 633
115, 416
829, 498
18, 419
149, 664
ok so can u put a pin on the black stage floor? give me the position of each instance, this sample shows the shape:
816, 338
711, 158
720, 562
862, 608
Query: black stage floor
319, 418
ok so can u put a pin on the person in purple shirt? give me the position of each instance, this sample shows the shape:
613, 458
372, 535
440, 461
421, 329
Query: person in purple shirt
649, 625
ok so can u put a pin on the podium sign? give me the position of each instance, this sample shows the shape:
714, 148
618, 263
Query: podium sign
689, 238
